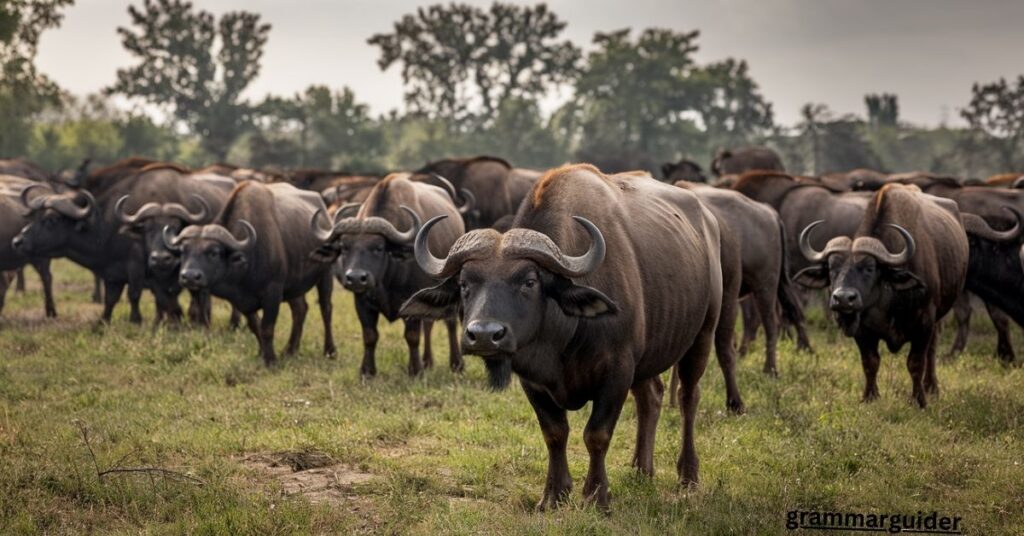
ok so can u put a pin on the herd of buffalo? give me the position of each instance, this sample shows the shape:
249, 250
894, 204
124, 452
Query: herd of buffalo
586, 285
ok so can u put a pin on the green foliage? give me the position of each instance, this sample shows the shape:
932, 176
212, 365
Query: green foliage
460, 62
317, 128
194, 66
24, 91
883, 110
996, 110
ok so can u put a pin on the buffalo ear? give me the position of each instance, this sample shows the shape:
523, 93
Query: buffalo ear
325, 254
667, 169
578, 300
237, 258
905, 279
130, 231
813, 277
436, 303
400, 253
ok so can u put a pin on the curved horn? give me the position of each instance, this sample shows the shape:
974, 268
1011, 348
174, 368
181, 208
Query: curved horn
145, 211
433, 266
541, 248
204, 210
836, 244
69, 208
32, 203
976, 225
1018, 182
346, 211
447, 186
470, 201
874, 247
171, 241
249, 241
323, 234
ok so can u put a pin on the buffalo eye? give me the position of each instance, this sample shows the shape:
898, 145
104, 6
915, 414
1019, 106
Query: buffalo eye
464, 288
529, 284
377, 250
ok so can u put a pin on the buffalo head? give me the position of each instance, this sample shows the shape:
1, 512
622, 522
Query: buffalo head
149, 221
861, 273
57, 220
365, 247
509, 286
210, 254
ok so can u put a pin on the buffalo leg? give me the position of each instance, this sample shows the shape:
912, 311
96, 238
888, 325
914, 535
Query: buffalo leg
42, 266
454, 351
648, 395
200, 307
97, 289
690, 369
166, 305
917, 362
19, 275
766, 304
869, 360
111, 295
413, 326
271, 307
751, 321
725, 353
134, 295
299, 309
236, 317
324, 290
428, 351
5, 283
597, 436
555, 426
368, 320
931, 382
1004, 347
962, 315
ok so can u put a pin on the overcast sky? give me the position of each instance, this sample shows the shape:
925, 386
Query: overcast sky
928, 52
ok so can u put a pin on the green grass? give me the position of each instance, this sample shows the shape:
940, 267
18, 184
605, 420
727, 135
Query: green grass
442, 454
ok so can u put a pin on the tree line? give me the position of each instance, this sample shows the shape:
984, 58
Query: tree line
475, 80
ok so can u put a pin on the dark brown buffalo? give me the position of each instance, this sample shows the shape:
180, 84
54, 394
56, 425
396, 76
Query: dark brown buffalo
683, 170
165, 196
762, 241
894, 279
994, 272
375, 261
269, 265
13, 218
353, 189
854, 180
23, 168
987, 202
603, 283
82, 224
744, 159
486, 177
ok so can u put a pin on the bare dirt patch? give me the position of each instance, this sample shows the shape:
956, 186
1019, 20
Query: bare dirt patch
309, 473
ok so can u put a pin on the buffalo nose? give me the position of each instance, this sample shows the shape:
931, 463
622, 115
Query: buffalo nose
356, 279
192, 278
485, 334
845, 299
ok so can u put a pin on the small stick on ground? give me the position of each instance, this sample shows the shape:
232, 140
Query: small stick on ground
117, 469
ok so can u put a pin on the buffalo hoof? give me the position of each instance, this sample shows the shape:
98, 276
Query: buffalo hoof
770, 370
50, 313
869, 396
735, 406
367, 373
456, 366
554, 496
330, 352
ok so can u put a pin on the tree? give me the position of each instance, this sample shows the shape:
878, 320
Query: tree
996, 111
731, 105
24, 91
635, 98
195, 67
460, 62
813, 116
883, 110
324, 129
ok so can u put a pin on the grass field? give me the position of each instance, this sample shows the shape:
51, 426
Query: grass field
308, 448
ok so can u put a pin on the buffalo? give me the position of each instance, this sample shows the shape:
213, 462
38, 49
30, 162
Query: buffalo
683, 170
269, 264
497, 186
894, 279
744, 159
375, 261
12, 219
603, 283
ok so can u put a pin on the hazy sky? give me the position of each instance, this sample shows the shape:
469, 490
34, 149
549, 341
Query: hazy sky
928, 52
